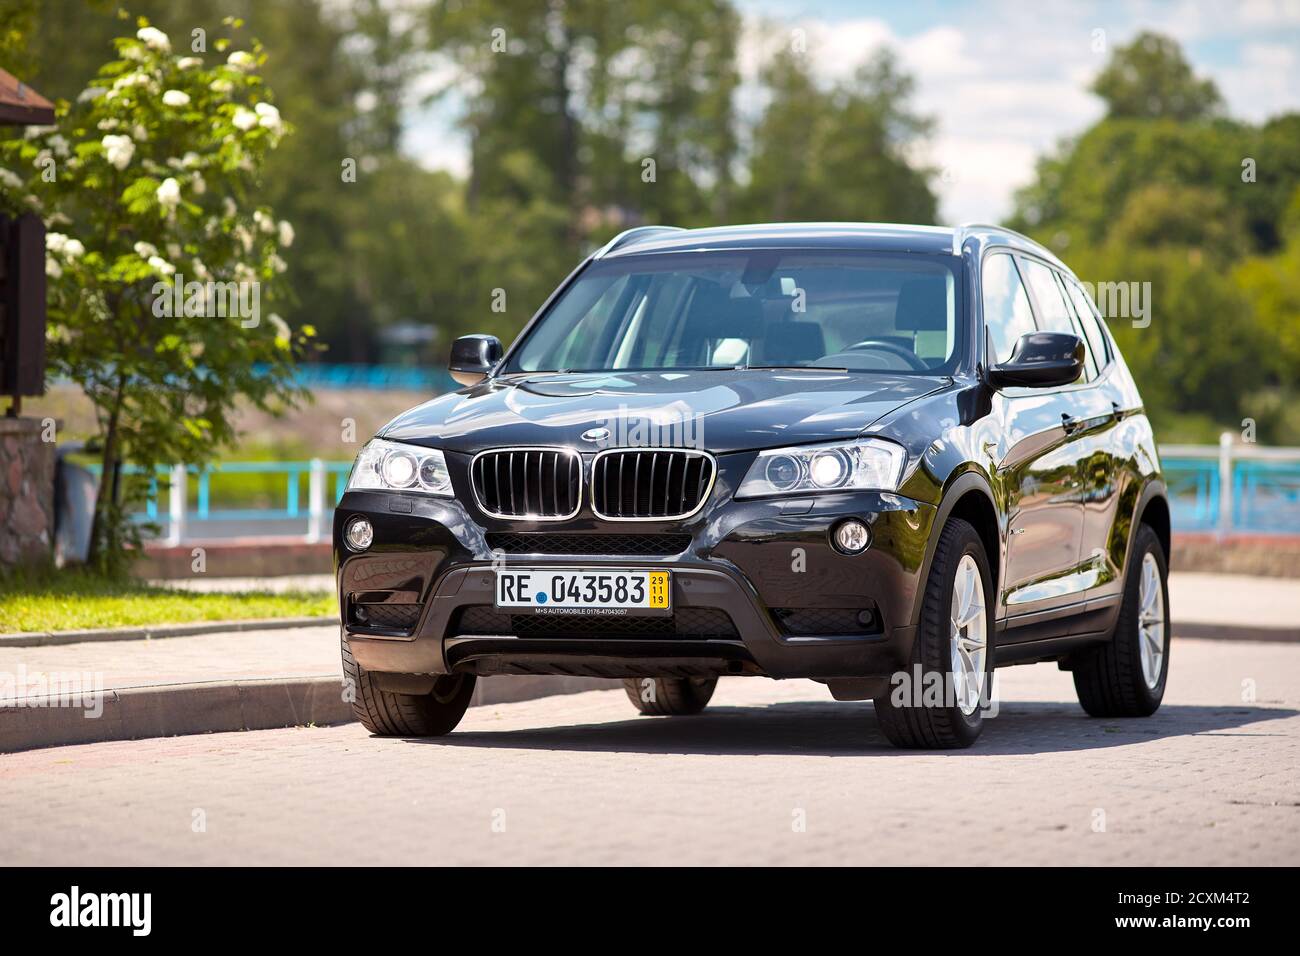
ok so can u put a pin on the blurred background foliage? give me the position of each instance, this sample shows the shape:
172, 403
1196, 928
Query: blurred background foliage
1168, 189
563, 101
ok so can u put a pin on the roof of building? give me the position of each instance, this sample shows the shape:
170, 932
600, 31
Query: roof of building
20, 105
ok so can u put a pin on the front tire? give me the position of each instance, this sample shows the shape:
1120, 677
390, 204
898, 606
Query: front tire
670, 696
1126, 676
391, 714
953, 650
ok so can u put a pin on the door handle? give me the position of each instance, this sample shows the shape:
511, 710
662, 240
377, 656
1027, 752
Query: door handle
1071, 424
1115, 411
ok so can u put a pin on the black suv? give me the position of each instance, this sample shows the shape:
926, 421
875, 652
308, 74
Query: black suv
886, 458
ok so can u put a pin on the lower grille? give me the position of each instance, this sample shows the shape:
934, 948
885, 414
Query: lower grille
825, 620
698, 623
615, 544
397, 617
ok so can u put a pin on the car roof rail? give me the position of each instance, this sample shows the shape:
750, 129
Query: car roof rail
962, 232
628, 235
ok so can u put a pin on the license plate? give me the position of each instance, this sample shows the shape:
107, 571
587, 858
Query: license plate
584, 591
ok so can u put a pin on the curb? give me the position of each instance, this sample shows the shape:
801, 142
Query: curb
51, 638
170, 710
1237, 632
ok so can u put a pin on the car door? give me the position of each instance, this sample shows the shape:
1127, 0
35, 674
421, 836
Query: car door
1099, 493
1033, 460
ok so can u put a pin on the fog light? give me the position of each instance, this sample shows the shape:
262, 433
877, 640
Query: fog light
851, 537
359, 534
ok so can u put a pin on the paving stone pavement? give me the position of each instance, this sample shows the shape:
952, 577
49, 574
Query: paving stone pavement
294, 652
771, 773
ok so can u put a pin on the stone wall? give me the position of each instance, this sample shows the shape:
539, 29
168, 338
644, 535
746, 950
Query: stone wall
26, 493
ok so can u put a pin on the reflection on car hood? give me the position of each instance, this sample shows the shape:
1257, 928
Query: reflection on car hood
719, 410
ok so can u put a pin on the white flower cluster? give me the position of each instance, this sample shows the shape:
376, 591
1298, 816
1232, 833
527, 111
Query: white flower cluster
155, 39
59, 244
168, 193
118, 150
262, 114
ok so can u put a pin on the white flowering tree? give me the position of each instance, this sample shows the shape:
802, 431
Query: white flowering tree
162, 268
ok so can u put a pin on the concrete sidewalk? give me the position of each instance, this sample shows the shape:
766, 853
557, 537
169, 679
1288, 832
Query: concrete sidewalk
251, 680
1234, 606
255, 679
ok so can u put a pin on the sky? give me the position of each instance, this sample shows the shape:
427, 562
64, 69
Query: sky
1004, 80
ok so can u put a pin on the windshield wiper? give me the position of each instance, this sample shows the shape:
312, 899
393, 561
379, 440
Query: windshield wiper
789, 368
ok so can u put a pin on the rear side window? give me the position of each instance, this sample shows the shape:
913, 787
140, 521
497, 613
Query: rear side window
1090, 364
1053, 309
1007, 315
1090, 322
1054, 315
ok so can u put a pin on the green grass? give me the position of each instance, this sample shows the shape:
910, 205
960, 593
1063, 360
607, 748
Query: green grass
71, 600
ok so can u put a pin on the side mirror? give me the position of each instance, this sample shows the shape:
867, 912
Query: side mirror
1041, 360
473, 356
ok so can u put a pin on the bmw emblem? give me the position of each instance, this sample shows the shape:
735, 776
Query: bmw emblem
595, 434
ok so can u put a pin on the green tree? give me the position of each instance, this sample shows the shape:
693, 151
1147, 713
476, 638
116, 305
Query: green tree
1151, 79
1078, 190
148, 179
593, 90
838, 153
1167, 191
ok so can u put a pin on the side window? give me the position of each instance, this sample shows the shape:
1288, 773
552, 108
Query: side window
1054, 315
1091, 323
1090, 367
1007, 315
1054, 312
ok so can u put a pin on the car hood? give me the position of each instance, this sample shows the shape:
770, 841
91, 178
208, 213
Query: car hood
720, 410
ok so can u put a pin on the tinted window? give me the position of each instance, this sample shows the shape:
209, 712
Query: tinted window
1091, 324
1054, 315
1090, 366
859, 311
1007, 315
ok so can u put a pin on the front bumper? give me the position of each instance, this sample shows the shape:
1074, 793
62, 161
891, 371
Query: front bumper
754, 561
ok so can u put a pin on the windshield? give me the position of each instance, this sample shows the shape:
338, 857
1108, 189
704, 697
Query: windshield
757, 308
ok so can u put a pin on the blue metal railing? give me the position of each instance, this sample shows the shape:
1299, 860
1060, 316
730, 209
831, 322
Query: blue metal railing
1193, 485
1233, 488
376, 377
1227, 488
1266, 496
332, 476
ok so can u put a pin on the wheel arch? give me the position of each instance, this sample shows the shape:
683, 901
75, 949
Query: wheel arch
1153, 510
969, 497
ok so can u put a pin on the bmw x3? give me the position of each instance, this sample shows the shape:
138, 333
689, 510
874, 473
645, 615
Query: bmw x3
885, 458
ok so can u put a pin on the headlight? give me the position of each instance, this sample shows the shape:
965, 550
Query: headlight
391, 466
869, 464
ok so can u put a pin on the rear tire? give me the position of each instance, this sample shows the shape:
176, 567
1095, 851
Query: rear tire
1126, 676
951, 633
406, 715
670, 696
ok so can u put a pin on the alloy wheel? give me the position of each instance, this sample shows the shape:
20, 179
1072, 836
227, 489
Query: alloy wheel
1151, 620
968, 634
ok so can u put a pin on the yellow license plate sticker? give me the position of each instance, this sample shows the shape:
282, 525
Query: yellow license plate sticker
659, 589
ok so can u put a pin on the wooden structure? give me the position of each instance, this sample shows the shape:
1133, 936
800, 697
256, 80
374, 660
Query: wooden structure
22, 266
